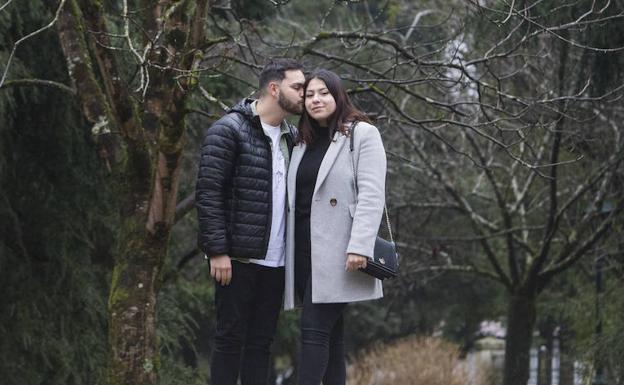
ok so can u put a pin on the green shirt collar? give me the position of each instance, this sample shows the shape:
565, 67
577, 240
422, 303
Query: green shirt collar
284, 129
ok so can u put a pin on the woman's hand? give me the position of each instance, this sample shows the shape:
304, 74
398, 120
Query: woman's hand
355, 261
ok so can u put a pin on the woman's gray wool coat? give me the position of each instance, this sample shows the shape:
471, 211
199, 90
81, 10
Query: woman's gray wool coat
338, 225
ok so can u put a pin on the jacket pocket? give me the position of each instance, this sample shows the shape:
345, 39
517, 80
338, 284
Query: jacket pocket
352, 210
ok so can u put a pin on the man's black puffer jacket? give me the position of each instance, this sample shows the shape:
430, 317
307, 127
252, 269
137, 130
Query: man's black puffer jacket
234, 186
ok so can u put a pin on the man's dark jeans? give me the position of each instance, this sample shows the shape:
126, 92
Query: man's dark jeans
247, 313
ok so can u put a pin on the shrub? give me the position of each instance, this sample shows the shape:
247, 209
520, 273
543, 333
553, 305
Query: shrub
412, 361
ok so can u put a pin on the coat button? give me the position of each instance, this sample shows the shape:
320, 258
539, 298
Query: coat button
333, 202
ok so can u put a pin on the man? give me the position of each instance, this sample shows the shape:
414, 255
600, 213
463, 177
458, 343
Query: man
241, 203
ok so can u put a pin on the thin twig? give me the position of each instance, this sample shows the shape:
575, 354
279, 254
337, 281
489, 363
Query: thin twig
24, 38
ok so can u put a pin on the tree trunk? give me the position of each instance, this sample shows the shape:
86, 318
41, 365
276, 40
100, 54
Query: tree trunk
520, 322
540, 367
547, 333
133, 343
566, 367
147, 217
548, 367
145, 171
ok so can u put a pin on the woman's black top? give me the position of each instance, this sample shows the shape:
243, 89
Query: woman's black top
306, 180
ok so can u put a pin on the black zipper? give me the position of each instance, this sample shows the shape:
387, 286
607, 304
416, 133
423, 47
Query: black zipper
267, 234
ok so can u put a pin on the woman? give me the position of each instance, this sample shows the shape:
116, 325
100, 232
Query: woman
331, 232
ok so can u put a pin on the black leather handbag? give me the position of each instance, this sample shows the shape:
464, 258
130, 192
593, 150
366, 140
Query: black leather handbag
385, 262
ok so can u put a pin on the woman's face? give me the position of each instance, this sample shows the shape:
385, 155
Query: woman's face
319, 102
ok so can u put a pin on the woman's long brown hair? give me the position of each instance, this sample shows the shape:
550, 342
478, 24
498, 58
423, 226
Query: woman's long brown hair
344, 114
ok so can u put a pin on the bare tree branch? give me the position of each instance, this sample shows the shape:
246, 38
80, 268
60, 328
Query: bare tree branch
5, 5
39, 82
184, 207
26, 37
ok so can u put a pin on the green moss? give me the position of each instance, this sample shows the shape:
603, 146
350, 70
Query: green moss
117, 294
323, 35
376, 89
148, 365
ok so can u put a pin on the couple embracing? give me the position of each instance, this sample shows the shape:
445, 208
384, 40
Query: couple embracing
287, 216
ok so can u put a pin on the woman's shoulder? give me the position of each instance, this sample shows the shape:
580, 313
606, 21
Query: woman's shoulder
360, 126
365, 129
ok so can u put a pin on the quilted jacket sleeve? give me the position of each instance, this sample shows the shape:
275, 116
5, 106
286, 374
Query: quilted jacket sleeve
218, 156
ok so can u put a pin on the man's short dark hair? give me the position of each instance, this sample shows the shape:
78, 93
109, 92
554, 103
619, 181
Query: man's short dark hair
275, 70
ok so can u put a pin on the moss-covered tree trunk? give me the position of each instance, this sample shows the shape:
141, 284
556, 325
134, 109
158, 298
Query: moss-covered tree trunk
143, 239
521, 315
132, 304
141, 142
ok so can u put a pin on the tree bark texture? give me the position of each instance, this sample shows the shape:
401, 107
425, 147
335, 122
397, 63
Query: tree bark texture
134, 357
566, 354
521, 314
145, 169
550, 345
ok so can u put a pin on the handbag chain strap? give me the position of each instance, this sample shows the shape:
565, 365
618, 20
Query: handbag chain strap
353, 175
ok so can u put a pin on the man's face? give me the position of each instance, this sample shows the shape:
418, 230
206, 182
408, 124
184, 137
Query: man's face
290, 97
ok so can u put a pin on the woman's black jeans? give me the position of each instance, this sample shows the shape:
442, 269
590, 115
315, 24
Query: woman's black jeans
322, 355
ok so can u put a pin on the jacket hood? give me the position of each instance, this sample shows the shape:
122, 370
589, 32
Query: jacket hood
243, 107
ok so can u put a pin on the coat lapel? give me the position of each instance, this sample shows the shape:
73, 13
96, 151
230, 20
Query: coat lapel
328, 160
295, 159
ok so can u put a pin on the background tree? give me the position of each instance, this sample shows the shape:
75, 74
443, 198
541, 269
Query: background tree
55, 219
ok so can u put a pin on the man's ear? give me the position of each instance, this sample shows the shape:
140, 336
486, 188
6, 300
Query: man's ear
273, 88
